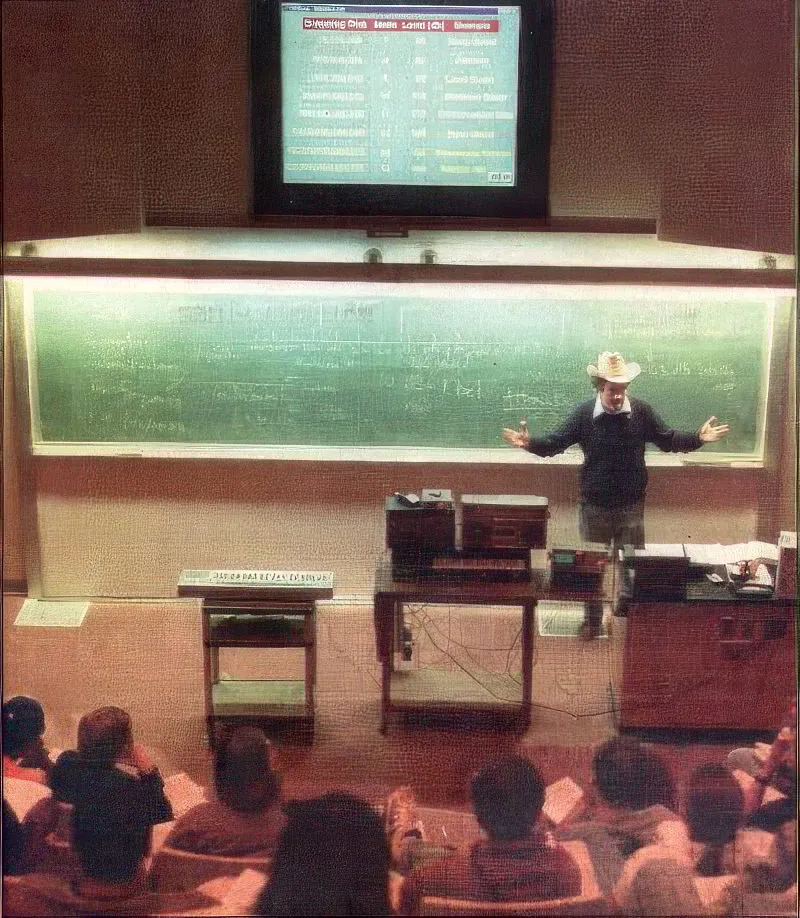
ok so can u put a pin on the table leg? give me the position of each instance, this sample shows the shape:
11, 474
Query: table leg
528, 610
386, 692
210, 670
310, 627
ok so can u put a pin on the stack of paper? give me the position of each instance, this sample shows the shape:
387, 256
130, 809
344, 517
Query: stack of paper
716, 555
563, 799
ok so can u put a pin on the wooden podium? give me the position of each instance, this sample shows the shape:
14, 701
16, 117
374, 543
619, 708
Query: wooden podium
712, 662
267, 609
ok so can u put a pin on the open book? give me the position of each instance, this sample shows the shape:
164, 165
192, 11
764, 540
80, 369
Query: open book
746, 781
183, 793
563, 799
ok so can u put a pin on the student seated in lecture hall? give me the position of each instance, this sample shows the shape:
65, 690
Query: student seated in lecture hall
24, 754
660, 879
613, 429
110, 777
111, 879
332, 859
774, 767
246, 818
635, 805
518, 860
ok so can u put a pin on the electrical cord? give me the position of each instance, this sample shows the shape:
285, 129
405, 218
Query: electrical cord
423, 618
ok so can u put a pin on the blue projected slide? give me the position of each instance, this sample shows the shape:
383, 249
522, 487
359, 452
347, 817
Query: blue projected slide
399, 95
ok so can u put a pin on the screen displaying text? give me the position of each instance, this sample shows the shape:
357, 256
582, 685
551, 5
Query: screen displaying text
399, 95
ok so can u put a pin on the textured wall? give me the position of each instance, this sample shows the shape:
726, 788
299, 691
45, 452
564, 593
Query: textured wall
128, 527
122, 111
70, 118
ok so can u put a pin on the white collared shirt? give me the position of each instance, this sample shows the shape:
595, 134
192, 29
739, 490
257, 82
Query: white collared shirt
600, 409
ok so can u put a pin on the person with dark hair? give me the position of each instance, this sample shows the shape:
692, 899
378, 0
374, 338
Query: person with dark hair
714, 811
629, 775
111, 879
246, 816
24, 753
612, 429
659, 879
517, 861
332, 859
634, 806
110, 781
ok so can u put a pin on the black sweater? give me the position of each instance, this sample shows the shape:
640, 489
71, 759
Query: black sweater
614, 473
108, 797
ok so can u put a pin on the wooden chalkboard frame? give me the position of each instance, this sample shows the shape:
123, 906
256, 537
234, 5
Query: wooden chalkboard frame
773, 281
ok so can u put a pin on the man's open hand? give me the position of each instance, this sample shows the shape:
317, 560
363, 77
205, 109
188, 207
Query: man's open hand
519, 438
711, 431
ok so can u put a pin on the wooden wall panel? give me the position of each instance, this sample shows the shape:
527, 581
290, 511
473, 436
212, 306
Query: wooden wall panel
729, 176
195, 112
70, 118
673, 109
607, 131
13, 558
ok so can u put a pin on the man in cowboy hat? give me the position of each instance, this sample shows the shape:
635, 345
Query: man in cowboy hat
612, 429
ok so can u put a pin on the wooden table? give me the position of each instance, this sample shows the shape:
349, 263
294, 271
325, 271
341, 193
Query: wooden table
711, 662
263, 609
422, 691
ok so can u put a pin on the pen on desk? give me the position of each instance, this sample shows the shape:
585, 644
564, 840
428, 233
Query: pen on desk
444, 833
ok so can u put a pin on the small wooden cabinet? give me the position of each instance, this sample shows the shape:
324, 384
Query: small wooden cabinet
258, 609
706, 664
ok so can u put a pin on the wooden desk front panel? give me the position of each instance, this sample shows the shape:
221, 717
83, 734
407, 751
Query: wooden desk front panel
705, 665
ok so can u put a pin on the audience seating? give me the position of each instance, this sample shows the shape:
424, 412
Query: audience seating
176, 871
20, 900
590, 901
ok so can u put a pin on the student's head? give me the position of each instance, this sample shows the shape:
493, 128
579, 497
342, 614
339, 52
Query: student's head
105, 735
243, 774
23, 724
631, 776
507, 798
112, 854
714, 805
332, 859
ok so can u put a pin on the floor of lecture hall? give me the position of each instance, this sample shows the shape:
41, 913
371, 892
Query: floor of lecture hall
146, 657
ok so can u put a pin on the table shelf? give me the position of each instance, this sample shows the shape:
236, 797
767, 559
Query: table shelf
248, 630
423, 688
260, 698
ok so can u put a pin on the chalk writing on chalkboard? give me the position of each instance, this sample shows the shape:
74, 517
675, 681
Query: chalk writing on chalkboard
406, 365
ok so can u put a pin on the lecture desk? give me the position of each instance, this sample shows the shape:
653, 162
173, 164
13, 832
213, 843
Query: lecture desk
429, 691
711, 661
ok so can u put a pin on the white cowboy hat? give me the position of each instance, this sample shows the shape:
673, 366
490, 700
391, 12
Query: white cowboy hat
612, 368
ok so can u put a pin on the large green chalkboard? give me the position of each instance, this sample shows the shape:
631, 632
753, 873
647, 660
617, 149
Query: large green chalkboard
335, 364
